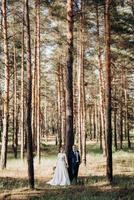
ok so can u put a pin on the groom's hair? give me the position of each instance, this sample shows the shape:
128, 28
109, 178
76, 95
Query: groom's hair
75, 146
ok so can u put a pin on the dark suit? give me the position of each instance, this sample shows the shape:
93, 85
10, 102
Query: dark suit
74, 162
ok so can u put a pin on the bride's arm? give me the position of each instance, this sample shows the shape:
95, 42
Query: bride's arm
66, 161
57, 158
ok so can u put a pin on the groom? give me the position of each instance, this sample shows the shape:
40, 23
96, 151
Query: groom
74, 162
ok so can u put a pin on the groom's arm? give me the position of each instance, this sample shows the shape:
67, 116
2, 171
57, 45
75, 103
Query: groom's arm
70, 158
79, 158
66, 161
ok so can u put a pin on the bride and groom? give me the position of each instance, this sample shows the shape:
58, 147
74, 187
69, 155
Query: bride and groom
66, 170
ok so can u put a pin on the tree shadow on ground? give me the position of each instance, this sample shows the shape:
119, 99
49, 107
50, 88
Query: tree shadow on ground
119, 180
91, 187
8, 183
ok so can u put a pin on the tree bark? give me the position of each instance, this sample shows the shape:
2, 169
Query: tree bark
79, 63
22, 91
15, 130
115, 115
63, 106
69, 78
109, 170
126, 112
38, 81
29, 95
6, 89
59, 107
34, 85
121, 111
90, 122
94, 124
101, 84
82, 83
115, 130
100, 126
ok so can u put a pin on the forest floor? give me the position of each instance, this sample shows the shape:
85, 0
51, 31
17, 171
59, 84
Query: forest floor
92, 182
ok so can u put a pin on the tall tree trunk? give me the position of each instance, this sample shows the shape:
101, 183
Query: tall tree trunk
29, 95
83, 120
33, 109
15, 131
25, 123
38, 81
45, 113
96, 120
83, 101
94, 124
115, 129
34, 86
22, 91
109, 170
1, 116
63, 106
90, 122
126, 111
115, 118
115, 121
15, 135
69, 78
101, 84
100, 126
1, 21
59, 108
79, 122
34, 78
121, 111
76, 93
128, 136
6, 89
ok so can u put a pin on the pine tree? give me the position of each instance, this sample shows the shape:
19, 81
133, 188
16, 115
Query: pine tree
6, 89
29, 101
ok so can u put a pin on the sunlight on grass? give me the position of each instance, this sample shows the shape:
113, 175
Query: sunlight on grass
92, 181
123, 162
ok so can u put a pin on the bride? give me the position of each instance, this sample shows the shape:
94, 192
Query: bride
61, 176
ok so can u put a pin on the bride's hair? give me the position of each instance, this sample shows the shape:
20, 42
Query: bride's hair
62, 149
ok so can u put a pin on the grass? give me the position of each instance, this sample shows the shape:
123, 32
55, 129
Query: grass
90, 190
49, 151
92, 182
93, 148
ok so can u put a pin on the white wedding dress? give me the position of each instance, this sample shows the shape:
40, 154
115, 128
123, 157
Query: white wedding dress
61, 176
